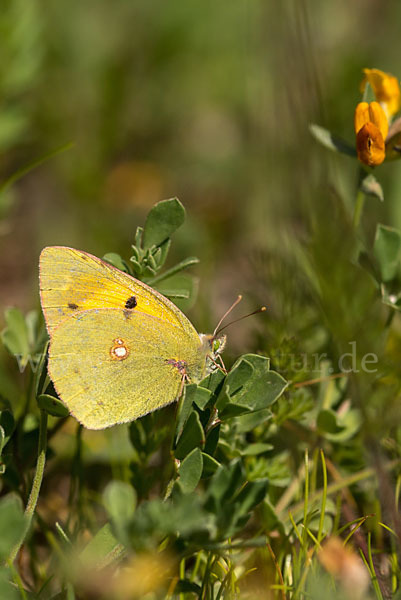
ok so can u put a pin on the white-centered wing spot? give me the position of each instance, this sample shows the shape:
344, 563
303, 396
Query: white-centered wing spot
119, 349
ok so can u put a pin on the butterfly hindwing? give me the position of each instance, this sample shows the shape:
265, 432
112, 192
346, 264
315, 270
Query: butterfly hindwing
110, 369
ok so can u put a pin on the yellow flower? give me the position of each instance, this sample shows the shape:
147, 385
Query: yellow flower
371, 128
386, 89
346, 566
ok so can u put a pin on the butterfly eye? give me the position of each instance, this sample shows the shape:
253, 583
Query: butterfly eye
131, 302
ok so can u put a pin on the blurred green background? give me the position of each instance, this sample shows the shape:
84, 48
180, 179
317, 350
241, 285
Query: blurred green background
210, 102
207, 101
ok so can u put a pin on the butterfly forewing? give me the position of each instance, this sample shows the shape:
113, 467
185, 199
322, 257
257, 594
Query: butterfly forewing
72, 281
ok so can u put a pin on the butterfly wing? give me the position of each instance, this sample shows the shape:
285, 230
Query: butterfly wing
73, 281
108, 368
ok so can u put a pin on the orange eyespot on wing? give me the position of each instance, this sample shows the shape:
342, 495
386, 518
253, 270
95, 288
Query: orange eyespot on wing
119, 350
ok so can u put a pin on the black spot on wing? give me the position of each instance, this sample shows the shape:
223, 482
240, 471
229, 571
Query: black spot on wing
72, 305
131, 302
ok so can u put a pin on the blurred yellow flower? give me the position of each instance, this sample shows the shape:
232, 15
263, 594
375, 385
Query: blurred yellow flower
371, 128
386, 89
346, 566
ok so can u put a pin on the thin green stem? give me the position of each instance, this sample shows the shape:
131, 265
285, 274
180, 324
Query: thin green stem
16, 176
182, 575
324, 498
36, 484
196, 567
372, 567
206, 577
17, 580
306, 498
390, 318
341, 484
359, 203
224, 583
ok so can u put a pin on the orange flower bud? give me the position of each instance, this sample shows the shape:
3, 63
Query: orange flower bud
370, 145
371, 128
378, 118
361, 116
373, 113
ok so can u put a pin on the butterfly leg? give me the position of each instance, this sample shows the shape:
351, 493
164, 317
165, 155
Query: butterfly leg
184, 379
217, 365
219, 357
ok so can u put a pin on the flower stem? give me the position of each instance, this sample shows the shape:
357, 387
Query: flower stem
359, 202
36, 484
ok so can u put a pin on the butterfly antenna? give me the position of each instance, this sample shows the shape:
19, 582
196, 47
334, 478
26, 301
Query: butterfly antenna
238, 300
255, 312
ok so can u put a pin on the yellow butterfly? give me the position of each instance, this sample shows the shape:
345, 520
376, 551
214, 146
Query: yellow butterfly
118, 348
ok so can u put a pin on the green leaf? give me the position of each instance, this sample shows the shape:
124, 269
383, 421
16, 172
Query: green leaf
232, 410
163, 253
162, 221
191, 437
41, 375
212, 439
248, 422
349, 424
387, 248
102, 544
53, 406
8, 590
32, 320
119, 499
182, 288
251, 495
181, 266
115, 260
367, 262
176, 294
214, 381
331, 141
327, 422
251, 383
7, 426
12, 524
15, 335
255, 449
185, 407
225, 482
190, 471
202, 397
210, 465
236, 379
371, 187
